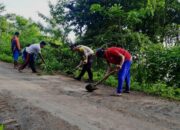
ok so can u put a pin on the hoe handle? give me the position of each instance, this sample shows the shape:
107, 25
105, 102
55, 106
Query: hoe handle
104, 78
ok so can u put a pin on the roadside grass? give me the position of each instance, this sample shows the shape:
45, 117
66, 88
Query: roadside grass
53, 66
5, 53
156, 89
6, 58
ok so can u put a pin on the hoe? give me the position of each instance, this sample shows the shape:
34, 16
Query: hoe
92, 87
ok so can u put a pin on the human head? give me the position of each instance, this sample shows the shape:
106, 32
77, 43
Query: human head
42, 44
100, 52
73, 47
16, 34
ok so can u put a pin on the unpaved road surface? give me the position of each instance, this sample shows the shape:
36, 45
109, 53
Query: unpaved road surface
61, 103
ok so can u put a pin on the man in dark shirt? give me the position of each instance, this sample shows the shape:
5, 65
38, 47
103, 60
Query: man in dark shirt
16, 48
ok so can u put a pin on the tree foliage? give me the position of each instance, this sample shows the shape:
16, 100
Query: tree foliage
2, 8
139, 26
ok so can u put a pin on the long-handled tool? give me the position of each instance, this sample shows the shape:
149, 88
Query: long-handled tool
92, 87
78, 67
71, 72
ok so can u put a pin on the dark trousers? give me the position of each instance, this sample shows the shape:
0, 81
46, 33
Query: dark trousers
29, 59
87, 67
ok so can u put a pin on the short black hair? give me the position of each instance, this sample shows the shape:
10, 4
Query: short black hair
16, 33
43, 43
72, 46
100, 52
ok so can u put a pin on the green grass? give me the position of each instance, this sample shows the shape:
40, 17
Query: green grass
1, 127
6, 58
156, 89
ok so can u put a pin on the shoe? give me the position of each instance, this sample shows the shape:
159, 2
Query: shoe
89, 81
126, 91
77, 78
20, 71
116, 94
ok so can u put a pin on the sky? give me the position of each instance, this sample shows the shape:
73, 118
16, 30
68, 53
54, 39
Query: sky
28, 8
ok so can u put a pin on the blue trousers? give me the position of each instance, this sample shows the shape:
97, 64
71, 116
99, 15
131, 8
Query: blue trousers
16, 55
124, 74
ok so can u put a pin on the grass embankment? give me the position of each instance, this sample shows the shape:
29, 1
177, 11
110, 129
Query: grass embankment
158, 89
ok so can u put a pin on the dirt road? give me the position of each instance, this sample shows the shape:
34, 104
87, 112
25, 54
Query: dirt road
61, 103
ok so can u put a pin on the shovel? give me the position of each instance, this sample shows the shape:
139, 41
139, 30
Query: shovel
92, 87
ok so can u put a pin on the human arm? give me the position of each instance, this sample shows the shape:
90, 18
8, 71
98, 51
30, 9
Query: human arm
18, 44
85, 56
79, 65
118, 59
109, 69
122, 58
40, 55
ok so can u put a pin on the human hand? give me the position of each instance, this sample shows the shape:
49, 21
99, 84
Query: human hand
118, 67
85, 62
77, 67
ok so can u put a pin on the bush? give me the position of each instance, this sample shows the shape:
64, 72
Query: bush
144, 77
159, 89
163, 65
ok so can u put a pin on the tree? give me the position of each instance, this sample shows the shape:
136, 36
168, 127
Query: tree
2, 8
56, 27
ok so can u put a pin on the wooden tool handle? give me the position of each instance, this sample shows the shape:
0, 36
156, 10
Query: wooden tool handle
105, 77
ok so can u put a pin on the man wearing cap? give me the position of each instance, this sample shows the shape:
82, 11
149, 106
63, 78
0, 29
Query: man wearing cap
87, 60
29, 54
16, 48
122, 59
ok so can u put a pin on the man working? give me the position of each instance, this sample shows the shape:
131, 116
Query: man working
87, 60
122, 59
29, 54
16, 48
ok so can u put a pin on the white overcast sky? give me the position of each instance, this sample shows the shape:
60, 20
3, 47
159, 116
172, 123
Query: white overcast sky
27, 8
30, 9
